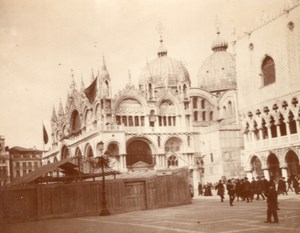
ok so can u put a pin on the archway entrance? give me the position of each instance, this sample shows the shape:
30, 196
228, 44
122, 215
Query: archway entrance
256, 167
292, 162
273, 165
138, 150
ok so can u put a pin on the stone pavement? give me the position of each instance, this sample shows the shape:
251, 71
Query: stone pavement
205, 214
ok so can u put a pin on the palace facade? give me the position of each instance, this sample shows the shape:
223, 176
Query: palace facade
268, 77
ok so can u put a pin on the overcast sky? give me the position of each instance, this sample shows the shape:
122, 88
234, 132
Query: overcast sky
42, 40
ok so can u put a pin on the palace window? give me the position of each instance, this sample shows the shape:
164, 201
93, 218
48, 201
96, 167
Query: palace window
268, 71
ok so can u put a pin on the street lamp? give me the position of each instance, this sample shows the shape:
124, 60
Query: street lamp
102, 161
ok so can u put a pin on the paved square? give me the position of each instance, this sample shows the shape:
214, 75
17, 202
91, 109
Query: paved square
205, 214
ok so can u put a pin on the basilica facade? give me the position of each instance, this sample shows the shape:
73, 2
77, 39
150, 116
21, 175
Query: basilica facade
242, 119
162, 123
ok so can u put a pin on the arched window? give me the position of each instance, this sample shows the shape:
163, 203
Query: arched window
172, 161
268, 71
203, 116
195, 104
184, 91
130, 121
203, 104
195, 116
150, 91
136, 121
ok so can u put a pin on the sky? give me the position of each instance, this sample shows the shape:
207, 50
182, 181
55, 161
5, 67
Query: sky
41, 41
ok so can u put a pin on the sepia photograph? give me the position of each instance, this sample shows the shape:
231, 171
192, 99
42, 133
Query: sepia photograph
149, 116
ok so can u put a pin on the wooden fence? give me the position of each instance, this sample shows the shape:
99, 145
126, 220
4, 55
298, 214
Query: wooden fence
84, 198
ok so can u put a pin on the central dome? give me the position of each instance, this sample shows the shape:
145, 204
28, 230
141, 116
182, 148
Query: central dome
164, 71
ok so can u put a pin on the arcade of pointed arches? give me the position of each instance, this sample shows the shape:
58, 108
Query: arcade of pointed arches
274, 165
272, 121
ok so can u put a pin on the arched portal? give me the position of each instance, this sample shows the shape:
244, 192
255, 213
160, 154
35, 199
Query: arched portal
65, 152
113, 149
75, 121
138, 150
273, 165
292, 162
256, 167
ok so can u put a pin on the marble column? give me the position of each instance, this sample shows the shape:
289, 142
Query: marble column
249, 175
284, 172
266, 173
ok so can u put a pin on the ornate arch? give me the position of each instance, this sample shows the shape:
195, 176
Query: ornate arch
88, 151
177, 142
138, 98
138, 150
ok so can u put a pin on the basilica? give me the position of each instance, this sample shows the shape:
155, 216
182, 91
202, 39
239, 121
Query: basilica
242, 119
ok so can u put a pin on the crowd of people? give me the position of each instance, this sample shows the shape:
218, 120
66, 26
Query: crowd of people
256, 189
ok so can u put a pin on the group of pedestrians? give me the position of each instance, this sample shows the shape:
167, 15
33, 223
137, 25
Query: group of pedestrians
259, 188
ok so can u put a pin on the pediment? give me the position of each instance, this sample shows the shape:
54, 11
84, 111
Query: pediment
141, 164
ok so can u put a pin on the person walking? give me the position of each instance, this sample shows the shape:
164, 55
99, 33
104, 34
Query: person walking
281, 189
221, 190
260, 188
246, 187
296, 184
200, 189
272, 205
253, 188
231, 191
290, 181
238, 189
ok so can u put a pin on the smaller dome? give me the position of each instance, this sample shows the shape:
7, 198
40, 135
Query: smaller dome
217, 72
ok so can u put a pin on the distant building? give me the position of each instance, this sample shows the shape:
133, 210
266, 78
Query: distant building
23, 161
4, 163
268, 76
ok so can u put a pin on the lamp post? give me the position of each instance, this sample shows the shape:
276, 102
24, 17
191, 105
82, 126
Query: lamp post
102, 162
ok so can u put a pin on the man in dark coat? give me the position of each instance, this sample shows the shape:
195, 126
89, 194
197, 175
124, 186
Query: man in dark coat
221, 190
272, 205
231, 191
281, 186
238, 189
246, 187
200, 189
260, 188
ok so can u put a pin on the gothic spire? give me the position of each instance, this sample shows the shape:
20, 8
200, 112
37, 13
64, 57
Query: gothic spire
60, 108
82, 84
54, 117
92, 75
73, 84
104, 73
